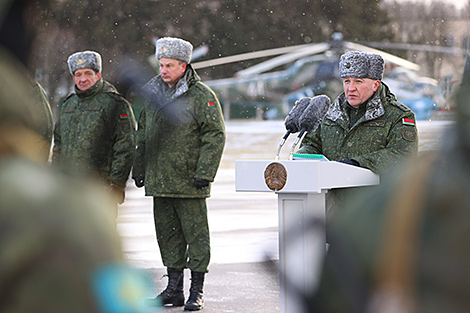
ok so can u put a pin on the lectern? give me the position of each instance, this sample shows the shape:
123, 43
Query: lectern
301, 186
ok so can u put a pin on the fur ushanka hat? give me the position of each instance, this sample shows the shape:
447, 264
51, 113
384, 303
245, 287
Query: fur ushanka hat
174, 48
84, 59
359, 64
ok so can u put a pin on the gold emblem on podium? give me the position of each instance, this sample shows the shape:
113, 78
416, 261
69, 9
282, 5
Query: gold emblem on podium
275, 176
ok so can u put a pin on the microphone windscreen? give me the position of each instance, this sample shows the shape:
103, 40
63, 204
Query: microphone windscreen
314, 113
292, 119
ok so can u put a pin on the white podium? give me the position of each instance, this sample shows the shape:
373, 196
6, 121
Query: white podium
300, 201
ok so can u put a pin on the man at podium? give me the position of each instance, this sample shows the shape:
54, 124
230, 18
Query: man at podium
365, 126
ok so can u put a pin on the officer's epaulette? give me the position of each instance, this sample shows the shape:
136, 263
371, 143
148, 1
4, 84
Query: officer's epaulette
68, 97
205, 89
115, 95
400, 105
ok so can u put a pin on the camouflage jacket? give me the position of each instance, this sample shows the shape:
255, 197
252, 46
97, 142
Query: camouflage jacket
59, 244
421, 209
95, 132
181, 135
382, 137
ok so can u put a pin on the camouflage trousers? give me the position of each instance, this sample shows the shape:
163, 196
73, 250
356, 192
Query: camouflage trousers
182, 232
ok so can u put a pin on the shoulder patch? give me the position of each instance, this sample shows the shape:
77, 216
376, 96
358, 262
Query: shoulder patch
409, 133
408, 121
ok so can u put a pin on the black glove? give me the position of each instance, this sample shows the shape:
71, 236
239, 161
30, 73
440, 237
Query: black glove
200, 183
349, 162
139, 182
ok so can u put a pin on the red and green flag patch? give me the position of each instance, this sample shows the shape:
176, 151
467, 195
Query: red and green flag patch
408, 121
123, 116
210, 104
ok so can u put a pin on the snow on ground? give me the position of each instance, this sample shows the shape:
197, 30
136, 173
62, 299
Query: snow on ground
244, 226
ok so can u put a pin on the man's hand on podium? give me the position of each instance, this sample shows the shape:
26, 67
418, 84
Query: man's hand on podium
349, 162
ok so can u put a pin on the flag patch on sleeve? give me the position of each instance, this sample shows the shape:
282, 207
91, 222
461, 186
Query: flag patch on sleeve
408, 121
209, 104
123, 116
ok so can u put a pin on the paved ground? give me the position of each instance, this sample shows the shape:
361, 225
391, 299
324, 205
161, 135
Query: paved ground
234, 287
244, 268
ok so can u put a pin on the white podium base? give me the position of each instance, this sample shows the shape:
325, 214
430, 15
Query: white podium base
301, 204
301, 246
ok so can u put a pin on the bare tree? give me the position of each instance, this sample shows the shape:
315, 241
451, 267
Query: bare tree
425, 27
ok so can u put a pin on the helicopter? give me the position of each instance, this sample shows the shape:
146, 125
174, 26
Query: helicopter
269, 89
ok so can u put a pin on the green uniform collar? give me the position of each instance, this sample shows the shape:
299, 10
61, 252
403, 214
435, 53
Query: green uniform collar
373, 108
355, 114
156, 88
90, 92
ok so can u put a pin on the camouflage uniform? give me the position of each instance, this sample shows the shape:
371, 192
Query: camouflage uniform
428, 256
384, 133
59, 248
181, 135
54, 234
95, 133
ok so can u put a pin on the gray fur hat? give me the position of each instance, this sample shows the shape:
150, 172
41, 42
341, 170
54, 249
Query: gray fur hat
359, 64
174, 48
84, 59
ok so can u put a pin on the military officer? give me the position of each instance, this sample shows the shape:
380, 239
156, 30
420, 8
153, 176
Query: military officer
95, 130
59, 248
407, 243
58, 240
366, 125
181, 137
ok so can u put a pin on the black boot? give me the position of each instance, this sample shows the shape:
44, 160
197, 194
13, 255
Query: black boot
173, 294
195, 301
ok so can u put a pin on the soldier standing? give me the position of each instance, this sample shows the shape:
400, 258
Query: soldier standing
59, 248
366, 126
95, 130
410, 252
180, 140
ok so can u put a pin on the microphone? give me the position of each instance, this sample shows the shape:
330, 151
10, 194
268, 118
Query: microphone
292, 120
312, 116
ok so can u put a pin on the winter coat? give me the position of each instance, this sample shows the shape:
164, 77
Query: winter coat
382, 137
95, 132
180, 136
